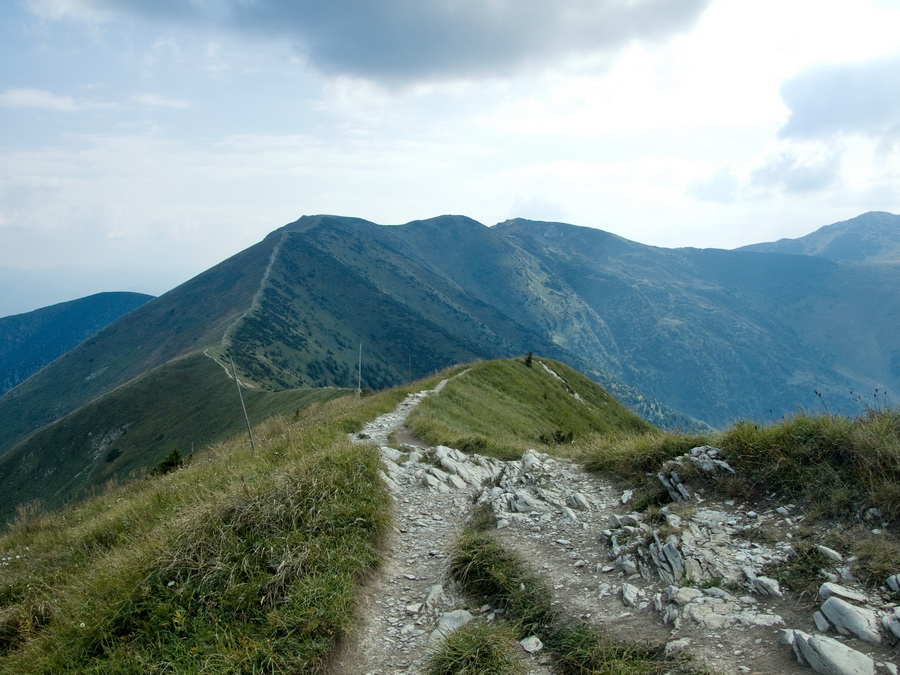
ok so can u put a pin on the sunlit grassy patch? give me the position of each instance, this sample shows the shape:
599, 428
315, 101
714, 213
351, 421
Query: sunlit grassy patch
240, 562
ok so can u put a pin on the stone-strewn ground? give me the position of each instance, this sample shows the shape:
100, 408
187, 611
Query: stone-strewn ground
693, 580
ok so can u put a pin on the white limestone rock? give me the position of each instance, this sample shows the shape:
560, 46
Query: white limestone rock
826, 655
851, 620
532, 644
828, 589
449, 622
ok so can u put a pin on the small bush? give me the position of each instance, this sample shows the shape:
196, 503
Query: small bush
558, 437
170, 462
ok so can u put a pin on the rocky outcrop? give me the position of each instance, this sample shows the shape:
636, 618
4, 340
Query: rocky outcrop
692, 575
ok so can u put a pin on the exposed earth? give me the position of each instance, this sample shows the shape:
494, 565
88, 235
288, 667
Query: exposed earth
694, 582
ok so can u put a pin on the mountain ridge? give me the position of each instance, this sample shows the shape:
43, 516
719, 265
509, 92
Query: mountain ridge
679, 335
871, 237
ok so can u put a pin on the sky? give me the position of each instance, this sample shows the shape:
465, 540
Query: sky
144, 141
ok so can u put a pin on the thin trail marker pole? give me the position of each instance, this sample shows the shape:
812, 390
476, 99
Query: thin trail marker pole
359, 374
243, 407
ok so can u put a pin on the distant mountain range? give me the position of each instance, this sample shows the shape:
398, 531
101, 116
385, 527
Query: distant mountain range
30, 341
678, 335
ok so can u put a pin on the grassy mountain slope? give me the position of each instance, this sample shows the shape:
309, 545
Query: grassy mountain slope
334, 286
189, 318
871, 237
717, 335
185, 404
506, 407
30, 341
242, 561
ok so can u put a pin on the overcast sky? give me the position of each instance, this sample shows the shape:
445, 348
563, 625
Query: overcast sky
143, 141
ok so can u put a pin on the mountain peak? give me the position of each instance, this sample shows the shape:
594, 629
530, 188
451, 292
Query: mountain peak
870, 237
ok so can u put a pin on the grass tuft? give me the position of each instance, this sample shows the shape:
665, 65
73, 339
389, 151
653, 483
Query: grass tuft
486, 570
581, 650
477, 650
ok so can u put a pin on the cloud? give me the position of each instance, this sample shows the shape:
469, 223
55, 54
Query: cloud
157, 101
791, 172
860, 98
41, 99
721, 187
37, 98
404, 41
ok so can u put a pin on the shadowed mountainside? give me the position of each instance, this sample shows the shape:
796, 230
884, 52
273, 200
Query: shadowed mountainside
30, 341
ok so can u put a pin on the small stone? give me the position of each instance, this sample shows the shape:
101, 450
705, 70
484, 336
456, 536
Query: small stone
893, 582
435, 596
830, 553
677, 646
828, 589
532, 644
579, 501
449, 622
630, 595
822, 624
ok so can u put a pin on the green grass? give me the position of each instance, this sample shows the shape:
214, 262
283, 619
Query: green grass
503, 408
186, 405
841, 465
836, 466
240, 562
477, 650
489, 573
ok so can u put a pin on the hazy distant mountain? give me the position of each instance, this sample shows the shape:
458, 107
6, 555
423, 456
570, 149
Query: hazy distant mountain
30, 341
715, 335
871, 237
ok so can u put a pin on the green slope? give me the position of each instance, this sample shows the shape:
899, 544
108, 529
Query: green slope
340, 282
30, 341
193, 316
506, 407
186, 404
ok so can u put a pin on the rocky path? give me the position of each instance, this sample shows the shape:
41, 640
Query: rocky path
692, 580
